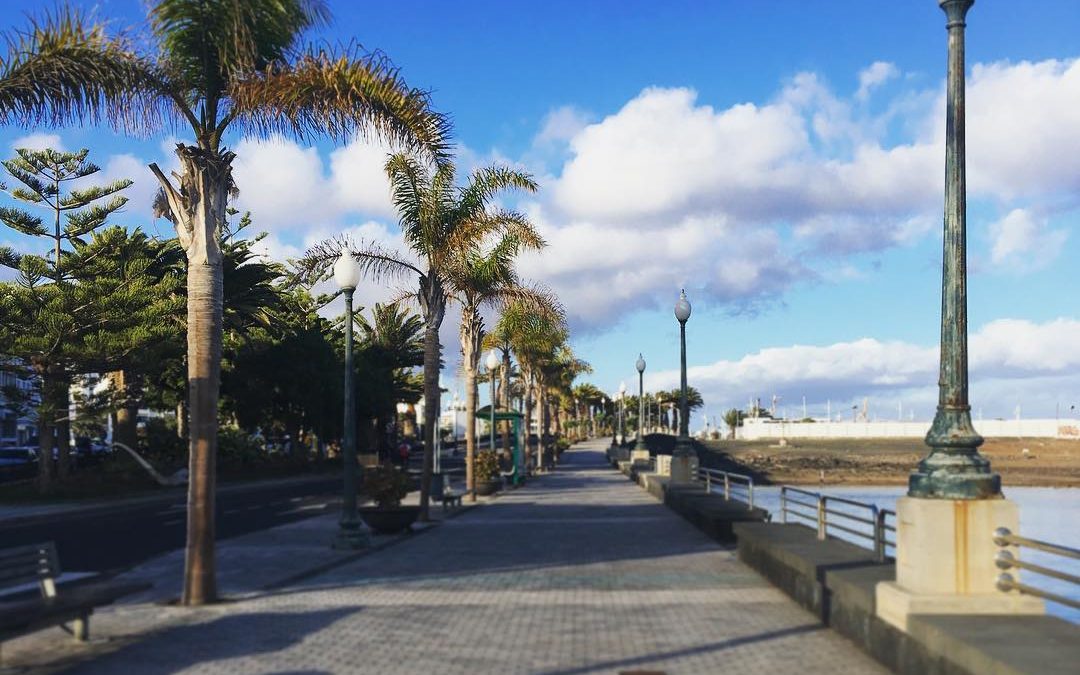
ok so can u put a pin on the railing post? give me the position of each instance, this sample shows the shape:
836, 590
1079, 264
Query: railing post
783, 504
708, 482
750, 491
727, 487
821, 517
879, 534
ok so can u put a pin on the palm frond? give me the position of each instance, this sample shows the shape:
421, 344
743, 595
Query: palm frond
376, 262
206, 43
340, 94
67, 69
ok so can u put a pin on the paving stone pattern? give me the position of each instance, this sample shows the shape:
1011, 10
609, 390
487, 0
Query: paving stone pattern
578, 572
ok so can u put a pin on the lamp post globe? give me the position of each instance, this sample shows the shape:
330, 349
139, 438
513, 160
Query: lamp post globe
351, 532
683, 457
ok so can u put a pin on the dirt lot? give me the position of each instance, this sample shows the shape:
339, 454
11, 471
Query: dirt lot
873, 461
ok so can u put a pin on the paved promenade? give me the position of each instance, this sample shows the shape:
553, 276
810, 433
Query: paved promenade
579, 572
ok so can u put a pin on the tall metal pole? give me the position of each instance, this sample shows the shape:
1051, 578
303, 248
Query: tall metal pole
683, 457
492, 373
350, 533
954, 469
640, 444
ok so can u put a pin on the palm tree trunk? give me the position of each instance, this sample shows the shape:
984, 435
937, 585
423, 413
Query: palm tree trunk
528, 405
471, 395
504, 383
127, 414
181, 419
197, 210
433, 304
471, 334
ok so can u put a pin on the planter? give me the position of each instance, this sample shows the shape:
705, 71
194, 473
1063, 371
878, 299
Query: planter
485, 488
389, 520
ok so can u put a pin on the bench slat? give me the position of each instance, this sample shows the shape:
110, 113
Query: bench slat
25, 564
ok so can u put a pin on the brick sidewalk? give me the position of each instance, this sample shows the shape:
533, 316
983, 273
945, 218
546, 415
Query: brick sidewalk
579, 572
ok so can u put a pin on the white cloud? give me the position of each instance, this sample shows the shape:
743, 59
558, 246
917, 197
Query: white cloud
561, 125
1012, 358
142, 190
873, 76
39, 142
1023, 241
287, 186
1023, 136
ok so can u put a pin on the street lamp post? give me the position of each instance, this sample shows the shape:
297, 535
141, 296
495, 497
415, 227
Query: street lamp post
944, 524
683, 457
641, 451
351, 532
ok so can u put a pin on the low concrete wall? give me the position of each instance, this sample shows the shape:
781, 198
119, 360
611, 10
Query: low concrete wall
762, 428
709, 512
835, 581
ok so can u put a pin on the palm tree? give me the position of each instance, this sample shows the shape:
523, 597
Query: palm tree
441, 222
482, 279
213, 65
391, 345
534, 337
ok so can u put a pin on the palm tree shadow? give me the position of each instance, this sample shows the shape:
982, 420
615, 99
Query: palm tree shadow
607, 666
177, 648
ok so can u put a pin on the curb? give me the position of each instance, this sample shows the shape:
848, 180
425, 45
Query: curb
401, 538
97, 508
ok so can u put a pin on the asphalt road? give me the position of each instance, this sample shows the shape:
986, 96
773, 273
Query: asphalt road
112, 539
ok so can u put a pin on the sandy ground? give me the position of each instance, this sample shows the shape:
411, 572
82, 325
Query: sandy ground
1047, 462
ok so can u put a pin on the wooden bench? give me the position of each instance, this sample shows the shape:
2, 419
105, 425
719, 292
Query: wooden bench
38, 563
451, 499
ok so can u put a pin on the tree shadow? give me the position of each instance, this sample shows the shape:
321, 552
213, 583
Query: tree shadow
606, 666
175, 648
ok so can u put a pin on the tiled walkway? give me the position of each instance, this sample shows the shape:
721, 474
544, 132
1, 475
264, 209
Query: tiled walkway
579, 572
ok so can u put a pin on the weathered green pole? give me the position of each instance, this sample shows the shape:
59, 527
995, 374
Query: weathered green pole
351, 533
640, 365
683, 457
954, 469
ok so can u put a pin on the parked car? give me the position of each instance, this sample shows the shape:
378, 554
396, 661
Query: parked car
87, 448
17, 456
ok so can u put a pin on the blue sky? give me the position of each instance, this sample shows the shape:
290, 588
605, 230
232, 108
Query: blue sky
781, 160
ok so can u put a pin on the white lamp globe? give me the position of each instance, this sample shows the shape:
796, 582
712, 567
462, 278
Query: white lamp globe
622, 389
640, 363
682, 307
492, 361
346, 272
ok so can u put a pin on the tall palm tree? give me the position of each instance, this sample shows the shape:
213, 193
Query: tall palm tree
482, 279
441, 222
534, 337
213, 65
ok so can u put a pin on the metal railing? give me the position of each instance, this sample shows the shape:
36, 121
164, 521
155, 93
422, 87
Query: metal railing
1005, 561
728, 484
867, 523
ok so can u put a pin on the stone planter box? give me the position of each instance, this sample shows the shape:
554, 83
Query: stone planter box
389, 520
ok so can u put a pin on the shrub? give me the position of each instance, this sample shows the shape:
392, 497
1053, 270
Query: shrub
386, 485
487, 466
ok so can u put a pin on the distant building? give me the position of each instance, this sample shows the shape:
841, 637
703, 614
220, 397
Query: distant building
18, 400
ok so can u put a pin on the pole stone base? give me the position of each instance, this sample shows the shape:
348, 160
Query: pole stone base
684, 462
351, 538
945, 560
639, 456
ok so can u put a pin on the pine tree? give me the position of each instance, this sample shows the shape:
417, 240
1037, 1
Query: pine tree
47, 178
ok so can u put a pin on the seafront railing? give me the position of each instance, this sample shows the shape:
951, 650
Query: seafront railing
867, 523
1006, 561
728, 484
